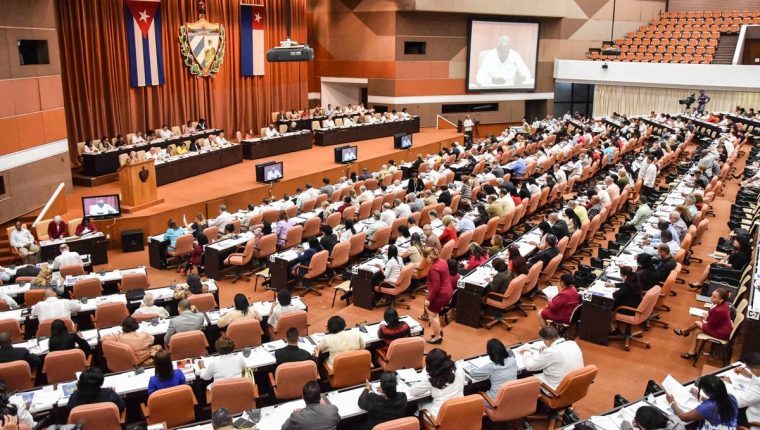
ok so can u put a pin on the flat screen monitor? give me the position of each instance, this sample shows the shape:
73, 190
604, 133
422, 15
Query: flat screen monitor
501, 55
346, 154
269, 172
402, 141
101, 207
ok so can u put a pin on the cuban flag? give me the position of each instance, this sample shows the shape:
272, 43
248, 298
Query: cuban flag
146, 57
252, 19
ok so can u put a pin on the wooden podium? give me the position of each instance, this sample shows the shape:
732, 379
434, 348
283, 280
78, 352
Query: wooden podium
138, 186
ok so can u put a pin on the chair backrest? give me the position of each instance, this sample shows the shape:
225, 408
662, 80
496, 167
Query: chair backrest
289, 378
381, 238
365, 209
211, 233
573, 387
174, 406
531, 281
461, 413
87, 287
110, 314
297, 319
398, 222
547, 274
62, 366
13, 328
32, 297
119, 356
406, 353
204, 302
103, 415
318, 264
134, 281
245, 333
479, 234
340, 254
17, 375
357, 243
184, 245
350, 368
188, 344
236, 395
349, 212
41, 228
71, 270
311, 227
491, 227
293, 236
406, 423
515, 400
43, 327
447, 250
333, 220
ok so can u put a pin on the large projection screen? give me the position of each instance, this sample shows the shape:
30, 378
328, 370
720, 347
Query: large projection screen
501, 55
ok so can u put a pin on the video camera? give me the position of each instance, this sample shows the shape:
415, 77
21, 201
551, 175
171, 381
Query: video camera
688, 101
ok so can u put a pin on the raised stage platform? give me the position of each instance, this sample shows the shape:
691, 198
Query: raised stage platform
236, 185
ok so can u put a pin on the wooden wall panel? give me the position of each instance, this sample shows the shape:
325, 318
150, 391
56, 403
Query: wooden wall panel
25, 96
6, 93
51, 92
12, 35
54, 122
10, 133
31, 130
28, 13
29, 186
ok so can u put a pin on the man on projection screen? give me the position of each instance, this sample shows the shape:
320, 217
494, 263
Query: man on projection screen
502, 66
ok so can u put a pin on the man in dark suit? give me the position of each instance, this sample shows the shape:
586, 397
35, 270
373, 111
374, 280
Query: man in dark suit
546, 254
315, 416
559, 226
665, 264
416, 185
8, 353
445, 196
291, 352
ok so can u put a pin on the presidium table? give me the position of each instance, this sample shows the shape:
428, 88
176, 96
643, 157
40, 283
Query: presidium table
193, 164
268, 146
336, 136
104, 163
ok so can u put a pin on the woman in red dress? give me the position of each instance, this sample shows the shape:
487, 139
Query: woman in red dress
439, 292
560, 307
717, 324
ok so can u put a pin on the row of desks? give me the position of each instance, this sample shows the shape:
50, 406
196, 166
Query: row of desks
193, 164
339, 135
95, 245
105, 163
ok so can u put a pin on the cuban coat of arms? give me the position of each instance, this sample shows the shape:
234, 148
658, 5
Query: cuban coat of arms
202, 45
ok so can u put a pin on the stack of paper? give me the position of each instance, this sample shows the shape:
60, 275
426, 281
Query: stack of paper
681, 394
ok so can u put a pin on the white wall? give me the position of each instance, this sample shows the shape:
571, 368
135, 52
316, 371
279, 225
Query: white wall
692, 76
340, 94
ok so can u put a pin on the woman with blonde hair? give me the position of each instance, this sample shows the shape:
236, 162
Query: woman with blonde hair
45, 280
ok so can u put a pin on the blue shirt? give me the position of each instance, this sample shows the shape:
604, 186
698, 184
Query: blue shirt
610, 152
465, 224
517, 167
178, 378
709, 410
172, 234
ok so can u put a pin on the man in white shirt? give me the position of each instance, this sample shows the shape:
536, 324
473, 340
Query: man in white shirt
468, 124
67, 258
23, 241
612, 189
388, 216
559, 175
222, 219
503, 66
377, 223
402, 209
364, 195
101, 208
137, 139
649, 175
464, 222
328, 123
221, 140
148, 307
347, 122
165, 132
405, 115
744, 385
555, 360
53, 307
313, 192
302, 197
271, 131
272, 173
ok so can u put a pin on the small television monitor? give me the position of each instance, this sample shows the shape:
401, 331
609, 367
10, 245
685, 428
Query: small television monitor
402, 141
269, 172
346, 154
101, 207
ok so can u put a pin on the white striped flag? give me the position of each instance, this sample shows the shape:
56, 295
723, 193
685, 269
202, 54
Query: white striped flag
146, 56
252, 22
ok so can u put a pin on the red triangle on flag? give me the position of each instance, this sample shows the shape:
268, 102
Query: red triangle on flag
143, 13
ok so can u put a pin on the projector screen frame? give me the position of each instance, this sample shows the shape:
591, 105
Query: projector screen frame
508, 20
